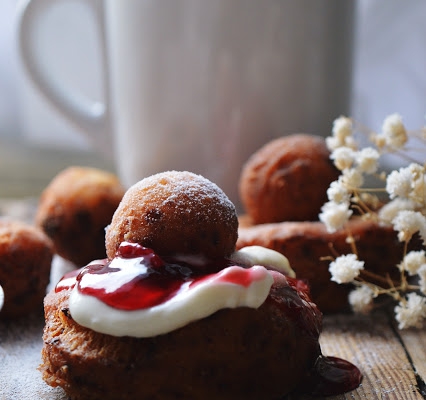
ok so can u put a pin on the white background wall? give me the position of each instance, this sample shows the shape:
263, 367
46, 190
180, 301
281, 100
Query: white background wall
390, 62
389, 76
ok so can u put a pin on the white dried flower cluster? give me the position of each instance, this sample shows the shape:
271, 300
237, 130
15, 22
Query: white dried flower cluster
408, 183
335, 215
405, 211
407, 223
413, 261
353, 164
361, 299
421, 272
346, 268
390, 210
393, 135
341, 134
411, 311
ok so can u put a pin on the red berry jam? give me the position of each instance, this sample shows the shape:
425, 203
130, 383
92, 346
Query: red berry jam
332, 376
138, 278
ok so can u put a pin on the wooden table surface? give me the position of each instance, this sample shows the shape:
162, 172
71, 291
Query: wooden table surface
393, 362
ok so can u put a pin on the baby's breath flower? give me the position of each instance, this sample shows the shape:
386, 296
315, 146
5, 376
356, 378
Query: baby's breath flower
394, 131
352, 178
337, 193
390, 210
344, 157
398, 183
406, 212
417, 170
410, 312
344, 269
361, 299
332, 143
342, 128
408, 182
351, 142
371, 200
413, 261
418, 184
418, 193
378, 140
421, 272
341, 134
366, 160
335, 215
407, 223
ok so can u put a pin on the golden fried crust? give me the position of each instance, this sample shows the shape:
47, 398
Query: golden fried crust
175, 213
25, 260
306, 243
287, 179
238, 353
75, 209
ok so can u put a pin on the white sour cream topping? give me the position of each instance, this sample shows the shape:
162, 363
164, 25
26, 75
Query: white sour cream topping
258, 255
1, 297
191, 303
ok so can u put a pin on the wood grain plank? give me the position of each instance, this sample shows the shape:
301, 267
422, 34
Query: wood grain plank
414, 341
370, 343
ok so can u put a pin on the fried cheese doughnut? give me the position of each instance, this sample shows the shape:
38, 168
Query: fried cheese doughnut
75, 209
306, 243
240, 353
175, 212
25, 260
287, 179
239, 330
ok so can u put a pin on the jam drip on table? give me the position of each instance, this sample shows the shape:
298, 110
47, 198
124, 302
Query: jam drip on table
158, 279
331, 376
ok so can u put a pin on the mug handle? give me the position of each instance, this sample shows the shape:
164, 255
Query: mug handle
92, 117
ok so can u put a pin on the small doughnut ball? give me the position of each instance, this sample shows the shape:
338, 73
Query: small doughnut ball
25, 259
75, 209
287, 179
175, 213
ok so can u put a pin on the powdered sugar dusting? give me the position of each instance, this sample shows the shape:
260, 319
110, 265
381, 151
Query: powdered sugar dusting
186, 190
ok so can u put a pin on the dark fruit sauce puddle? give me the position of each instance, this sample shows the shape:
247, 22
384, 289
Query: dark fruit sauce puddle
157, 280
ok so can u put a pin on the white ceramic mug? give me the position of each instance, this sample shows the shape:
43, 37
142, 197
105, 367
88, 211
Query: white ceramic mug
199, 85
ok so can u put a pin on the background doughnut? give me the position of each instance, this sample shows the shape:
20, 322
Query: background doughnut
287, 179
25, 261
75, 209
